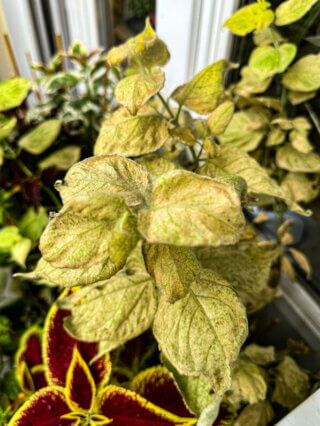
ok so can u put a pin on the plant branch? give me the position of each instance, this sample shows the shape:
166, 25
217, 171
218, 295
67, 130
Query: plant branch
165, 104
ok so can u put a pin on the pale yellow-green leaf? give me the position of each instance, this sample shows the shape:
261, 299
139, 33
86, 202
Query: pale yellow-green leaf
256, 16
290, 159
191, 210
62, 159
300, 141
267, 36
117, 54
20, 251
300, 187
276, 136
207, 328
238, 162
292, 384
68, 277
256, 301
134, 91
82, 233
135, 263
283, 123
32, 223
246, 129
302, 261
210, 147
121, 310
109, 174
304, 74
172, 268
183, 135
220, 118
261, 355
301, 123
203, 93
248, 384
251, 83
157, 166
41, 137
287, 53
292, 10
297, 98
13, 92
245, 265
129, 135
6, 125
259, 414
9, 235
262, 101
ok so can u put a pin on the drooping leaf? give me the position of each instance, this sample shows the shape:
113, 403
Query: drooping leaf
302, 261
235, 161
297, 98
121, 310
246, 129
262, 355
248, 384
292, 384
172, 268
292, 10
62, 159
251, 83
303, 76
6, 125
300, 187
183, 135
290, 159
220, 118
41, 137
186, 210
157, 166
259, 414
203, 93
208, 327
85, 233
13, 92
129, 135
256, 16
135, 90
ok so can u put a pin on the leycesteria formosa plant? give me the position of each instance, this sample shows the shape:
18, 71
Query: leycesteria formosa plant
152, 230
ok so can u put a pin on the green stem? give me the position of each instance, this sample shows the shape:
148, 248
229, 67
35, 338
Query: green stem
24, 168
195, 158
178, 113
165, 104
52, 196
283, 101
313, 116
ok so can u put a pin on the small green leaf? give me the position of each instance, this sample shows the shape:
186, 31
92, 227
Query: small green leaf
292, 10
290, 159
13, 92
129, 135
172, 268
41, 137
83, 233
20, 251
209, 326
261, 355
220, 118
259, 414
203, 93
134, 91
186, 211
287, 52
33, 222
120, 311
292, 384
110, 174
62, 159
6, 125
304, 74
256, 16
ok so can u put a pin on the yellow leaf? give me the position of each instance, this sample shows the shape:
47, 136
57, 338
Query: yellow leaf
183, 135
301, 187
290, 159
220, 118
302, 261
304, 74
292, 10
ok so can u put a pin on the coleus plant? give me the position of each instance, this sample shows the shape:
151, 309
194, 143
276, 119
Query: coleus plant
278, 79
145, 239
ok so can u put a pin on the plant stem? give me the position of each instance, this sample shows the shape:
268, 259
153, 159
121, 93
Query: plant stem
313, 116
52, 196
24, 168
195, 158
165, 104
178, 113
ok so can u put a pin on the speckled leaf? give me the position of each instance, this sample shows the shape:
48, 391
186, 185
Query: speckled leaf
292, 384
172, 268
208, 327
85, 233
255, 301
183, 135
120, 311
62, 159
304, 74
41, 137
13, 92
191, 210
202, 94
108, 174
259, 414
256, 16
292, 10
290, 159
129, 135
248, 384
157, 166
220, 118
300, 141
135, 90
276, 136
246, 129
261, 355
6, 125
300, 187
